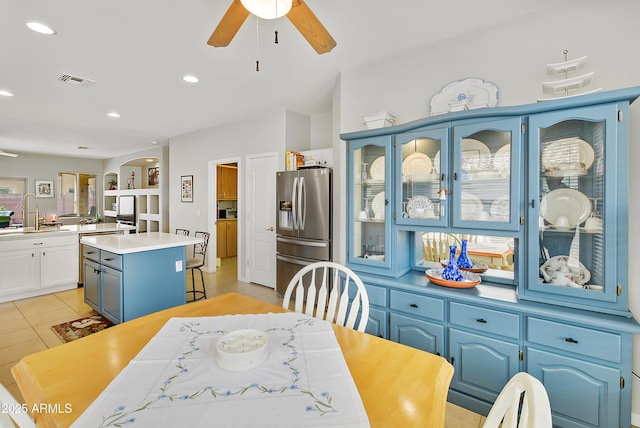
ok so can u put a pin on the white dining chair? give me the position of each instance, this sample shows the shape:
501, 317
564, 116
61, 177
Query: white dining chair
522, 403
321, 290
11, 414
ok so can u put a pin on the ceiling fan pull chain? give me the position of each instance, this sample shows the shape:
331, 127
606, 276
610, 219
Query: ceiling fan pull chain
276, 37
275, 28
257, 44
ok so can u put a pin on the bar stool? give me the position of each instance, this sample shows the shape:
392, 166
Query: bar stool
196, 262
184, 232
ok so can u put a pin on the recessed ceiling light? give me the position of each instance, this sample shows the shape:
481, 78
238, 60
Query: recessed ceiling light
190, 79
5, 94
113, 114
40, 28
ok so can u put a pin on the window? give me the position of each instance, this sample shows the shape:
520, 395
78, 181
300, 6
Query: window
77, 195
12, 191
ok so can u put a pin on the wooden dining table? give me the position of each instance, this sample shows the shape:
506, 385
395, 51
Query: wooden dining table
398, 385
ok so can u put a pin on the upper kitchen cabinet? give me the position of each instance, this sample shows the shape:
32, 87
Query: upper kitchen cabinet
578, 188
227, 182
369, 207
461, 175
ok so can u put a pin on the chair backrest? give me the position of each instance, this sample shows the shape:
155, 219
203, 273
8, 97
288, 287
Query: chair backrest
201, 249
523, 395
321, 290
8, 403
184, 232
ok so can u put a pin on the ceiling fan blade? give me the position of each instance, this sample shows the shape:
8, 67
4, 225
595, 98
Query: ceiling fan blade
310, 27
11, 155
229, 25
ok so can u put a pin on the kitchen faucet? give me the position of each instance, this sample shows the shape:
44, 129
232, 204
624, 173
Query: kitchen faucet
25, 211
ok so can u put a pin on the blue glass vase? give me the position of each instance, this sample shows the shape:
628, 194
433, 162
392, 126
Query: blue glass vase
451, 272
463, 258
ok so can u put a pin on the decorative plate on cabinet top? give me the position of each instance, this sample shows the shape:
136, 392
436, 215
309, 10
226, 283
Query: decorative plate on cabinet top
464, 94
469, 279
420, 207
377, 169
417, 167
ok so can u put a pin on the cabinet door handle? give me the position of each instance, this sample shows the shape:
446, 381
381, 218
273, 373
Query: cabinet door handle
108, 259
533, 203
37, 243
570, 340
481, 320
413, 305
44, 253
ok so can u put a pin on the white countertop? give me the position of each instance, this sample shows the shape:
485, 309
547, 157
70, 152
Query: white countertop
10, 233
125, 244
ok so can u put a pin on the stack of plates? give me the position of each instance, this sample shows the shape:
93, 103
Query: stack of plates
417, 167
567, 157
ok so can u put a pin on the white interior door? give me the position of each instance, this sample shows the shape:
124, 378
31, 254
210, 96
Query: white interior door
261, 209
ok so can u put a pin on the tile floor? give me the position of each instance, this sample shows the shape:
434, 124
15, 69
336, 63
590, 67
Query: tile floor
25, 327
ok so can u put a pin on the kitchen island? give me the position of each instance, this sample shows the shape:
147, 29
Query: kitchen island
35, 262
127, 276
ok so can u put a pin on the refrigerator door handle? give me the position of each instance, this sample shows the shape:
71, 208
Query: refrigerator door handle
294, 195
293, 261
302, 202
301, 243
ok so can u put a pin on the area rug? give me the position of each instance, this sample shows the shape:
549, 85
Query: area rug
82, 327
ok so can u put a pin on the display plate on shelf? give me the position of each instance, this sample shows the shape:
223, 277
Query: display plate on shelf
471, 206
475, 155
500, 208
417, 167
502, 159
567, 154
420, 207
377, 169
378, 206
570, 203
469, 279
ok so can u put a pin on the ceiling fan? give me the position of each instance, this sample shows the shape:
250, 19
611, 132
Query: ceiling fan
296, 10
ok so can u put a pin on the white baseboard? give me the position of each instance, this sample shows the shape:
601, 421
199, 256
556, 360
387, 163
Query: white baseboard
635, 419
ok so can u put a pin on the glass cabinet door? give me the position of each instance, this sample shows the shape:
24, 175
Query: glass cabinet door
573, 165
421, 169
369, 211
486, 174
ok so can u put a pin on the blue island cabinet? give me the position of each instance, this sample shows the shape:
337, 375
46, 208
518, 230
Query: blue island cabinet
122, 287
539, 193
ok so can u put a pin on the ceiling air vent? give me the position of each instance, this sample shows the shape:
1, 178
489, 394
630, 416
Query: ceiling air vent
76, 81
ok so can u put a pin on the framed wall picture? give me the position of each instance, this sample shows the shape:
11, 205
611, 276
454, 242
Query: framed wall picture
186, 189
44, 189
154, 176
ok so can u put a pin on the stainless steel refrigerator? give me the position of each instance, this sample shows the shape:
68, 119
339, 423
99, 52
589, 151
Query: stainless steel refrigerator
304, 221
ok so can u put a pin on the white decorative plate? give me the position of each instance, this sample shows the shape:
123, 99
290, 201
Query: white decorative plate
502, 159
464, 94
471, 206
436, 163
475, 155
416, 167
378, 206
570, 203
500, 209
568, 154
420, 207
377, 169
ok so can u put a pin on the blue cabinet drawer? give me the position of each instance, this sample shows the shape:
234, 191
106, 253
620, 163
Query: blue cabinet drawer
486, 320
422, 306
574, 339
111, 259
91, 253
377, 295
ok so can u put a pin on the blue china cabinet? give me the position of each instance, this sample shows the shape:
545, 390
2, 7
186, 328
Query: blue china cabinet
539, 192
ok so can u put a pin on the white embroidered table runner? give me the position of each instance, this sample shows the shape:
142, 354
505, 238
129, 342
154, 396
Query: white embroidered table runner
175, 380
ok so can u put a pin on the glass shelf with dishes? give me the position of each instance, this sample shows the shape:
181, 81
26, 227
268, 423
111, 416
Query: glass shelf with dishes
470, 180
573, 197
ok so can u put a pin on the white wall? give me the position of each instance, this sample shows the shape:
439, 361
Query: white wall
513, 56
35, 167
190, 154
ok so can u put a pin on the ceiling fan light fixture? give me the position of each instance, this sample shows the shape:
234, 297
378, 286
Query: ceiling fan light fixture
41, 28
268, 9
